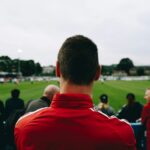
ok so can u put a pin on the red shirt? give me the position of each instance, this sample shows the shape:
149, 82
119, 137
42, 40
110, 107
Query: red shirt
146, 121
71, 123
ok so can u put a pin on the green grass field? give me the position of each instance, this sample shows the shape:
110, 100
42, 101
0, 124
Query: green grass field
116, 90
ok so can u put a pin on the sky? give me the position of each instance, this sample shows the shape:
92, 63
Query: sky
36, 29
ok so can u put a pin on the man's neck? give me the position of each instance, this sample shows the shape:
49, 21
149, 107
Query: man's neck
68, 87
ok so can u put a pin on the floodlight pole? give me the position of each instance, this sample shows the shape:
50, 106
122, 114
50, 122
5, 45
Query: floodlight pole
19, 69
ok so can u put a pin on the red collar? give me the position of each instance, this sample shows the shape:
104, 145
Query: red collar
72, 101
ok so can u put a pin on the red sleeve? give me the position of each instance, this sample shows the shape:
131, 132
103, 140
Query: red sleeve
126, 133
128, 137
145, 114
18, 139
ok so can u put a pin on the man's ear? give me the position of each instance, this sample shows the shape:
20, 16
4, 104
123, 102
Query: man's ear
57, 69
98, 73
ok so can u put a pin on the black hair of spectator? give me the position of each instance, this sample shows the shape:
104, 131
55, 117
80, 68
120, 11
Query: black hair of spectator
78, 60
15, 93
104, 98
130, 96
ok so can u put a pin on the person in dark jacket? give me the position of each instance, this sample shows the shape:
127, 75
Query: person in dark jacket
2, 117
2, 110
13, 103
14, 108
132, 110
45, 100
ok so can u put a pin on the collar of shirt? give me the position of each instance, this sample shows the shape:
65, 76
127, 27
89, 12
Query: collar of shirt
72, 101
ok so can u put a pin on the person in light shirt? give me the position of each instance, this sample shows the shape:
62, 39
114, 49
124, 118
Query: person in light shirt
104, 105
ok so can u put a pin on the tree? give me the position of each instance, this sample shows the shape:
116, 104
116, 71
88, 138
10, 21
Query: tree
2, 65
140, 71
5, 63
108, 70
125, 64
27, 67
5, 58
38, 69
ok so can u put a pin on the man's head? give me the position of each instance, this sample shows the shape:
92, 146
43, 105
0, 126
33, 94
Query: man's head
130, 98
104, 98
78, 61
50, 91
15, 93
147, 95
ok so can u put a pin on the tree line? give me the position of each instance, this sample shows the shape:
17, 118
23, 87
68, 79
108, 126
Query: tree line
29, 67
25, 67
127, 66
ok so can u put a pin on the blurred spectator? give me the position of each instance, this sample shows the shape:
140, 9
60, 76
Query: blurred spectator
146, 117
2, 110
132, 110
2, 140
45, 100
9, 128
13, 103
104, 106
14, 109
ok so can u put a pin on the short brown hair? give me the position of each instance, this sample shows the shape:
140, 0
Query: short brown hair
78, 60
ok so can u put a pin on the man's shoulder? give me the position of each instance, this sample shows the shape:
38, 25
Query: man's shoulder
8, 99
138, 104
35, 105
35, 101
118, 126
29, 117
111, 119
20, 99
38, 102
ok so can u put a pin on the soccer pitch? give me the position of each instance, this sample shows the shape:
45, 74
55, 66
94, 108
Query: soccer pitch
116, 90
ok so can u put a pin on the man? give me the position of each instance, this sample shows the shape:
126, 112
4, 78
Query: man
71, 123
132, 111
45, 100
14, 108
13, 103
146, 117
104, 106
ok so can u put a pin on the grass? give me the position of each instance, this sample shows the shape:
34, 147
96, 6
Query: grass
28, 90
116, 90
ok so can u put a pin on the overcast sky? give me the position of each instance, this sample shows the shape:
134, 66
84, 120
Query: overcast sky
35, 29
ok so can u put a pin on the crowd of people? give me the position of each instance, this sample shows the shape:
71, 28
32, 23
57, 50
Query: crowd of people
131, 111
72, 122
15, 108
